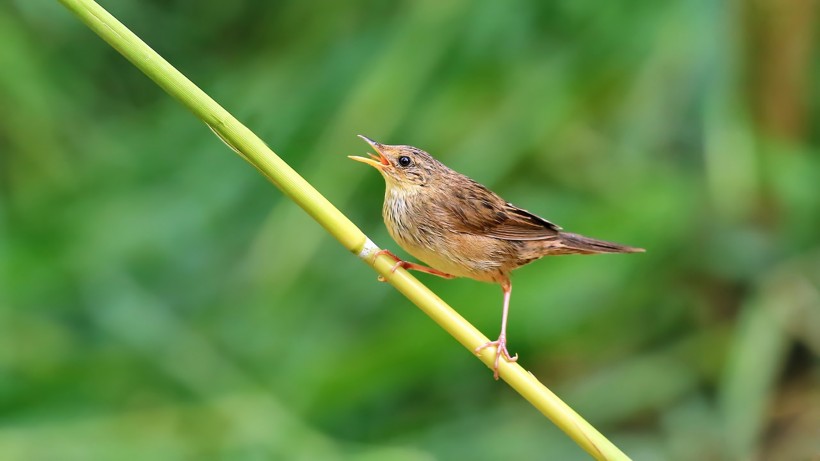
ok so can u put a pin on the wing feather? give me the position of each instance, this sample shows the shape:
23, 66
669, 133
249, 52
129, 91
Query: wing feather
477, 210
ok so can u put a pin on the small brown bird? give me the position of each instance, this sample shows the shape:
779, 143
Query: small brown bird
462, 229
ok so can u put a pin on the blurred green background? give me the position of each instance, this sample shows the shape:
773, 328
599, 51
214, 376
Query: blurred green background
160, 300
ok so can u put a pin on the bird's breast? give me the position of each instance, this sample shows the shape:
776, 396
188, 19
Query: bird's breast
412, 222
405, 217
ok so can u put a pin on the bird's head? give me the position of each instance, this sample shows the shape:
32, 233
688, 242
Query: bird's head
402, 166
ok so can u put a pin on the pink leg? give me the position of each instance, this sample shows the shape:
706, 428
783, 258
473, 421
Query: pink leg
411, 266
501, 343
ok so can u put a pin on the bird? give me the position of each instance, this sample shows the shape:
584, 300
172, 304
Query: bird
460, 228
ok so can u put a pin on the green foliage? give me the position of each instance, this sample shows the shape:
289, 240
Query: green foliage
159, 299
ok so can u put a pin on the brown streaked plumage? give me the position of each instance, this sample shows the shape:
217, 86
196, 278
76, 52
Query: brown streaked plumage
462, 229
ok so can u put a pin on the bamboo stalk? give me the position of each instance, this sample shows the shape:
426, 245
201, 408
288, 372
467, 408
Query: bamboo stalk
257, 153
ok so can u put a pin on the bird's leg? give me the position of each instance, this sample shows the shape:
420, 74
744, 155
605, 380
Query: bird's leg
411, 266
501, 343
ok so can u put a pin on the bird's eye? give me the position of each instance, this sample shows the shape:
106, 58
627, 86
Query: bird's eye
405, 160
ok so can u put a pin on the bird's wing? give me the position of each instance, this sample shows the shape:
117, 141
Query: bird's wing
477, 210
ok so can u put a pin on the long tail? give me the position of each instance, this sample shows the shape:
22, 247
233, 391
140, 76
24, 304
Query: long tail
578, 244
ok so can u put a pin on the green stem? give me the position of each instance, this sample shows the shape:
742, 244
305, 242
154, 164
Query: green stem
252, 149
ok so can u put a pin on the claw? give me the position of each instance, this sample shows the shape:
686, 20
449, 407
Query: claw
500, 351
409, 266
389, 253
385, 252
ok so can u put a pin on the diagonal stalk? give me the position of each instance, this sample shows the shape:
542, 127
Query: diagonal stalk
244, 142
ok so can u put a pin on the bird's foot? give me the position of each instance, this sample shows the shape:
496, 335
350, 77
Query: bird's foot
388, 253
391, 255
409, 266
500, 345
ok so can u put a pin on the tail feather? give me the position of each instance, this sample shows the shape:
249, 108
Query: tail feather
579, 244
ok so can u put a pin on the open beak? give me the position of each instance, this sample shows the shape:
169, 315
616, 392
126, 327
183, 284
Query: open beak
376, 161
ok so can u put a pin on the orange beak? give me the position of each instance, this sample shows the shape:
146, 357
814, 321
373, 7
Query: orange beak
376, 161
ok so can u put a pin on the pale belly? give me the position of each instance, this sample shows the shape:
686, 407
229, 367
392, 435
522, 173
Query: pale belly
468, 259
